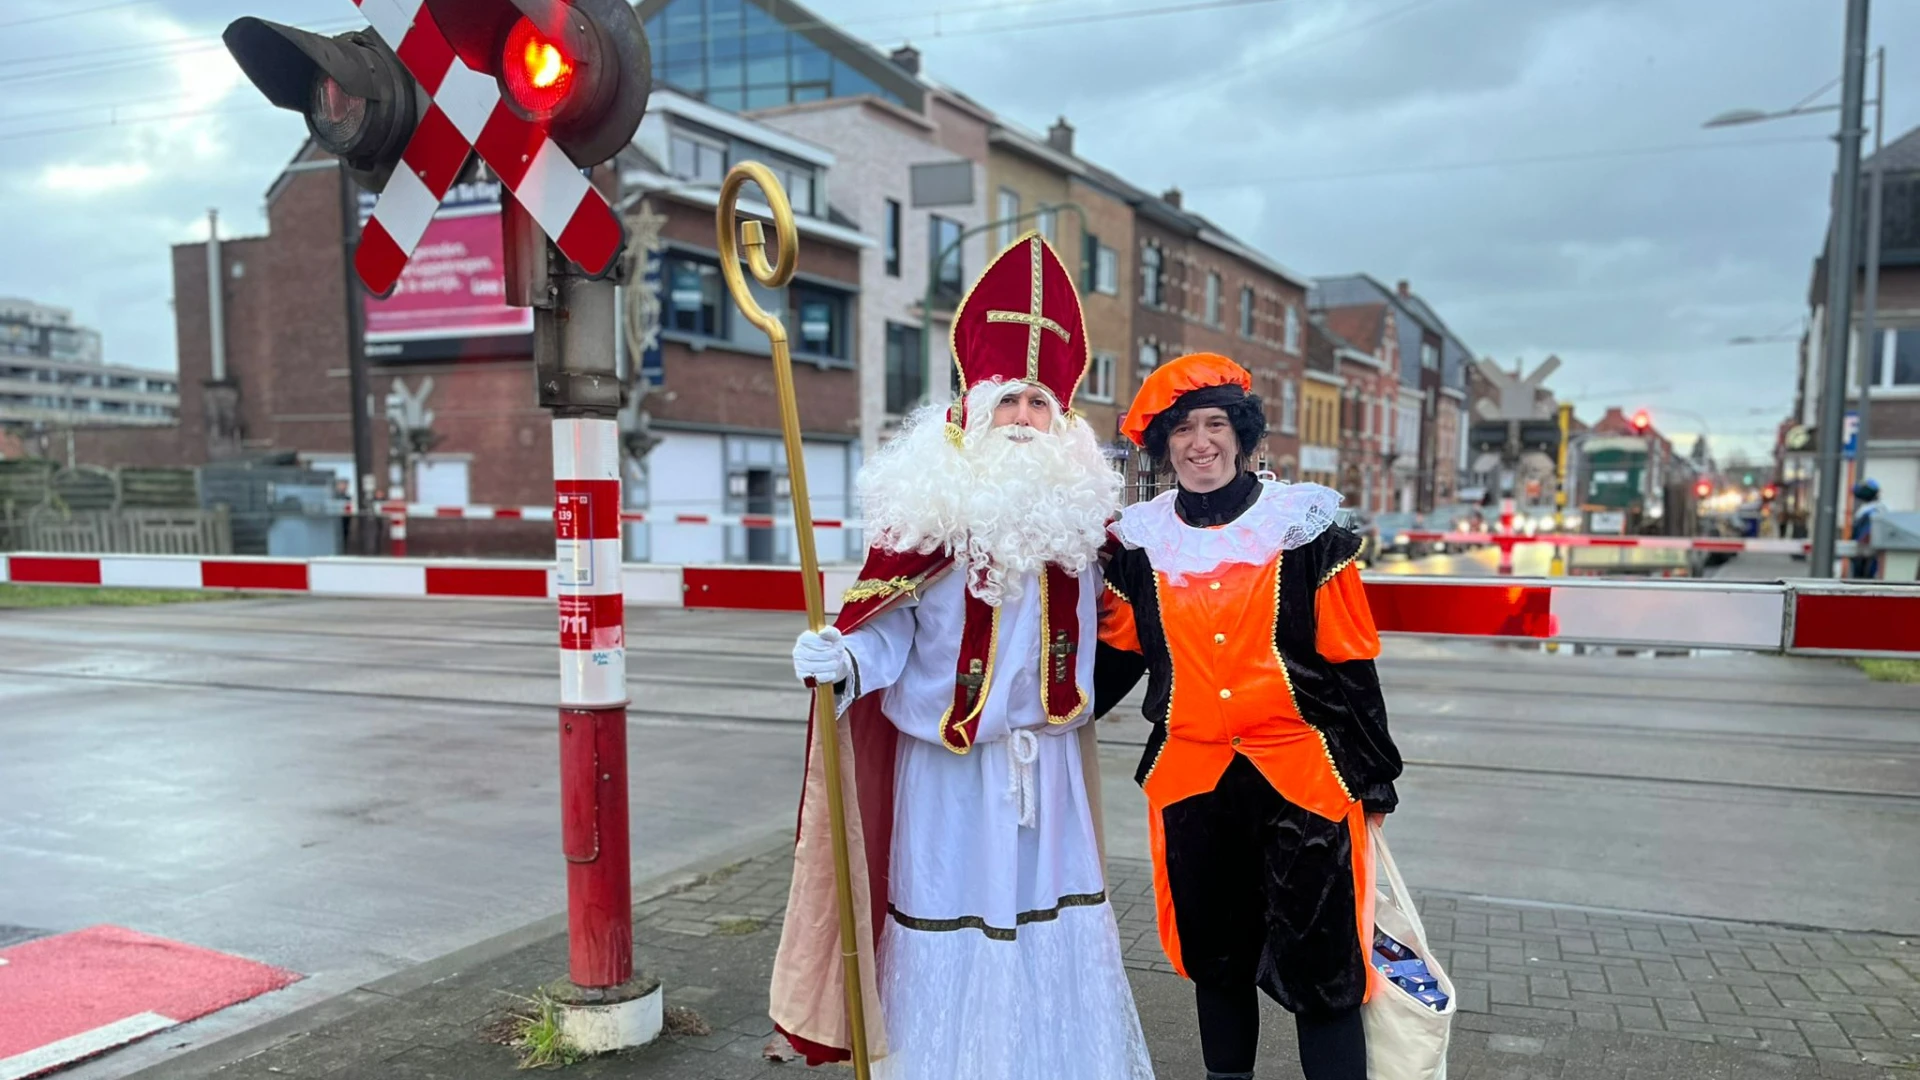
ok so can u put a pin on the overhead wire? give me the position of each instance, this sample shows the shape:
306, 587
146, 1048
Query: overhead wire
72, 13
1528, 159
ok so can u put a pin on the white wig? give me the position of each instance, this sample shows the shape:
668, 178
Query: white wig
1006, 501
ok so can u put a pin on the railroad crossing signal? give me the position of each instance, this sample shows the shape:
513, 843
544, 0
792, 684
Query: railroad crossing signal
540, 89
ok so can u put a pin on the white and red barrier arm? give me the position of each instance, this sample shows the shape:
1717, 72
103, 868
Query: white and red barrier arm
1852, 619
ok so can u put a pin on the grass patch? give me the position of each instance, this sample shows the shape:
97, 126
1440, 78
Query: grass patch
736, 927
1900, 671
20, 597
534, 1033
684, 1022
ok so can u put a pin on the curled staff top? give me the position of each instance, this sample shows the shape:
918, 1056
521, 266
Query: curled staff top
733, 236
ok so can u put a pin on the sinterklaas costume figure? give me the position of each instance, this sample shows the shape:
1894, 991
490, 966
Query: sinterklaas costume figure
963, 663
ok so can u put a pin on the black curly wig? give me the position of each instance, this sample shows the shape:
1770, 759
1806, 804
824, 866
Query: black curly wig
1245, 412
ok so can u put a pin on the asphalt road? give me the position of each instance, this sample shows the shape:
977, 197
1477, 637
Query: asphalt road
345, 788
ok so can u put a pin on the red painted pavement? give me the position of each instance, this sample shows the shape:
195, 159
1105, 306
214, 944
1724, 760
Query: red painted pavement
57, 987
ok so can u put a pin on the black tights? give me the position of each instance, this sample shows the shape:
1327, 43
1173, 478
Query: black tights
1333, 1046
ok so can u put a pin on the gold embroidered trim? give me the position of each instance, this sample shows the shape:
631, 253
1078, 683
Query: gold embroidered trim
878, 588
1342, 565
1046, 658
1034, 318
953, 327
986, 687
1166, 722
1124, 598
997, 933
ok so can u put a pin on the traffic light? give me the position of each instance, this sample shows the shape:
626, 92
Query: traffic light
358, 100
1703, 489
579, 68
1769, 492
1641, 421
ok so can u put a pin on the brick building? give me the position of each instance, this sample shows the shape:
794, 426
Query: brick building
1030, 175
1368, 401
1432, 371
715, 410
1893, 422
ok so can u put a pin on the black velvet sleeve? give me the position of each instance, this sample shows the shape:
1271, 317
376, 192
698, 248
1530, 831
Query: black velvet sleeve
1359, 683
1371, 751
1115, 673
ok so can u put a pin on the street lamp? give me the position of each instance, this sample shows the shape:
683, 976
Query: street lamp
1840, 266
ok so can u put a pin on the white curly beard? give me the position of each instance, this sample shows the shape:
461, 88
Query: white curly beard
1006, 503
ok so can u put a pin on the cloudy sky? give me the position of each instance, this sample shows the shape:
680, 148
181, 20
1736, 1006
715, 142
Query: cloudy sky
1536, 169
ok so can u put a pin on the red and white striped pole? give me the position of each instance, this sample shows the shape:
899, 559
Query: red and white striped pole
606, 1006
593, 700
1506, 539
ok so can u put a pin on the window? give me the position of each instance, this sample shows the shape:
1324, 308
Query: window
1293, 329
736, 55
906, 371
1246, 311
1106, 270
694, 290
1150, 275
1149, 356
893, 238
1213, 299
1430, 356
799, 185
1046, 221
1007, 212
1289, 408
820, 321
698, 159
1904, 371
949, 276
1100, 378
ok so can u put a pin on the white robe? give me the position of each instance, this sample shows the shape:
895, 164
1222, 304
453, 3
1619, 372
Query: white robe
1001, 958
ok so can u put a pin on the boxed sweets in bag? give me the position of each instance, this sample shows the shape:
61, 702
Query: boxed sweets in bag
1410, 974
1389, 948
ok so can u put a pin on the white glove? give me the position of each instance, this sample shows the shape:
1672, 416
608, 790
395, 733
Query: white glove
822, 657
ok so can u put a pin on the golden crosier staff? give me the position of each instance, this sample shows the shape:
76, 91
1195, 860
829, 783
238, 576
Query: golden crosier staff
733, 236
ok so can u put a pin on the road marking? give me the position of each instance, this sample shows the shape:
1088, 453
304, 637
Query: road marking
84, 1045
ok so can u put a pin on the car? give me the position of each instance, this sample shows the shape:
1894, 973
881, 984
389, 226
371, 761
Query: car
1391, 529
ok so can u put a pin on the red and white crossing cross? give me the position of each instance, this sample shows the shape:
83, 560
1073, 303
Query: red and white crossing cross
469, 113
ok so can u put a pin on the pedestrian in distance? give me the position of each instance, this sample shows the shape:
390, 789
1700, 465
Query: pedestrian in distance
1865, 563
1269, 753
962, 661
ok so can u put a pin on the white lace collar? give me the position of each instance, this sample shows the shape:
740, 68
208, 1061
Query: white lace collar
1284, 517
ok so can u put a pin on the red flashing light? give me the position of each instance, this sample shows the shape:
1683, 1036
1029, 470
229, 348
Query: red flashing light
1703, 489
1769, 491
1641, 421
538, 73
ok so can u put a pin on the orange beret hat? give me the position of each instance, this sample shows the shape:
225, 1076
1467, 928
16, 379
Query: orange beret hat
1171, 380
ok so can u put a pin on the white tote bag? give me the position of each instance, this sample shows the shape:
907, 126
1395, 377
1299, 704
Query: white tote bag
1405, 1039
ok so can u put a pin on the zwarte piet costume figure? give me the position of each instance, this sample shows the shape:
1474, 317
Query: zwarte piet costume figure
1240, 601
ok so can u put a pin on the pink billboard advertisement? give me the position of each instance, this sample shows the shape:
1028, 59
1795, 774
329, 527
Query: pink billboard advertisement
451, 298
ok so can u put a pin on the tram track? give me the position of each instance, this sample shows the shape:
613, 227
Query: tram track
733, 721
1478, 681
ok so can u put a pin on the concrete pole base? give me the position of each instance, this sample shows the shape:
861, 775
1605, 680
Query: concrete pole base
598, 1021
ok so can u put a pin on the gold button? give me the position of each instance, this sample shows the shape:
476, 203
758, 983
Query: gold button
1226, 694
1236, 740
1219, 639
1215, 586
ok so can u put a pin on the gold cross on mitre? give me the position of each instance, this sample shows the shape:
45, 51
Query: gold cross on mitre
1033, 317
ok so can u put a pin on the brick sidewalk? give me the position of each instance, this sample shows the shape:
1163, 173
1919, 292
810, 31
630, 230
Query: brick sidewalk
1544, 992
